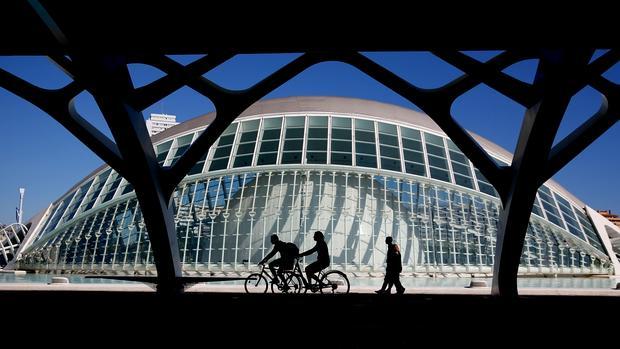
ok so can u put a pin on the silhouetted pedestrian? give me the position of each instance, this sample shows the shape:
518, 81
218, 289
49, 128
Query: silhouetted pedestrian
393, 269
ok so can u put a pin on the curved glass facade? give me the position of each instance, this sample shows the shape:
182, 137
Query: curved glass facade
356, 178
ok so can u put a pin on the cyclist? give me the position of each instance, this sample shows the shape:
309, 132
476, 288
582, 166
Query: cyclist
322, 258
286, 260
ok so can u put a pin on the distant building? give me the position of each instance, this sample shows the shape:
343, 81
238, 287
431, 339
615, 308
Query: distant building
160, 122
614, 218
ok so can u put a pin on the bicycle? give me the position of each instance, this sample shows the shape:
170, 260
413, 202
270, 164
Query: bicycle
329, 282
259, 282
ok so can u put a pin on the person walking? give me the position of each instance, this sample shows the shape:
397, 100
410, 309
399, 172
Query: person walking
393, 269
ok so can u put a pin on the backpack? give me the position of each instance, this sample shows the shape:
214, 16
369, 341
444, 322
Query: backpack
291, 250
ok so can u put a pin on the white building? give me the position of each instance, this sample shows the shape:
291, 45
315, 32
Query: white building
160, 122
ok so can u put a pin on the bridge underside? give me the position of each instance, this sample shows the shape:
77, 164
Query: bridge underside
97, 61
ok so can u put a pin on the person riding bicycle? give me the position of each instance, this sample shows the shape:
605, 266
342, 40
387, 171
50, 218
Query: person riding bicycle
286, 260
322, 259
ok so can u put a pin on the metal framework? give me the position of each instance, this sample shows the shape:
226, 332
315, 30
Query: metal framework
103, 73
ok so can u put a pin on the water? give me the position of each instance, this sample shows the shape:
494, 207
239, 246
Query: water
409, 282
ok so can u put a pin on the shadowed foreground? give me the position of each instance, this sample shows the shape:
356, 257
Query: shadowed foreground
352, 321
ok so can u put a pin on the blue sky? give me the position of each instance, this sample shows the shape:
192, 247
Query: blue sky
40, 155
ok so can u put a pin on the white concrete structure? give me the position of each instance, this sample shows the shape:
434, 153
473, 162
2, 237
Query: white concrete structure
357, 170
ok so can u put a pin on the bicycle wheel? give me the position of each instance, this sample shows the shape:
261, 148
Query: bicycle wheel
335, 282
293, 284
255, 283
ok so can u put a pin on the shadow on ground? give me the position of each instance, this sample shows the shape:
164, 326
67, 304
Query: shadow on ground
222, 320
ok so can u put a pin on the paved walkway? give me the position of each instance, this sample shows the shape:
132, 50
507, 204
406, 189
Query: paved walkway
219, 288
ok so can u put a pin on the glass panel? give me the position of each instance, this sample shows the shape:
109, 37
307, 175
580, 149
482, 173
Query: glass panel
318, 145
271, 134
268, 146
291, 158
388, 140
411, 144
267, 159
162, 151
390, 152
410, 133
293, 145
416, 169
317, 133
387, 128
433, 139
295, 121
341, 122
440, 174
317, 121
365, 125
341, 134
341, 159
341, 146
366, 161
365, 148
218, 164
316, 157
435, 150
247, 148
390, 164
464, 181
242, 161
365, 136
272, 123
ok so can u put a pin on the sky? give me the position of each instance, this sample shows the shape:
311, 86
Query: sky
38, 154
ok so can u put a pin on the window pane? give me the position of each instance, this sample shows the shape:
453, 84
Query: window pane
440, 174
409, 133
431, 138
317, 133
364, 125
242, 161
341, 134
317, 145
271, 134
269, 146
291, 158
248, 136
343, 146
223, 151
341, 159
316, 157
389, 164
414, 156
295, 121
365, 148
293, 145
464, 181
247, 148
410, 144
341, 122
365, 136
294, 133
218, 164
389, 152
366, 161
388, 140
272, 123
437, 162
387, 128
317, 121
415, 169
267, 159
435, 150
